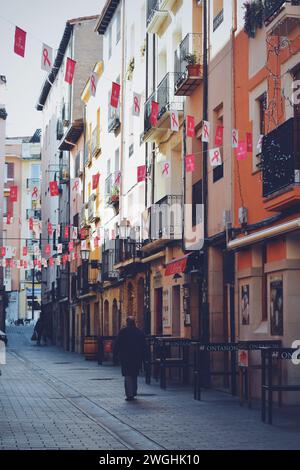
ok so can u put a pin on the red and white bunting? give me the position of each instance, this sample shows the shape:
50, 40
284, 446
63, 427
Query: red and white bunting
234, 138
154, 113
190, 126
141, 173
260, 143
59, 248
241, 151
219, 136
215, 157
165, 169
206, 132
47, 58
174, 121
95, 179
137, 99
93, 83
115, 95
20, 42
74, 233
13, 194
190, 163
53, 187
76, 185
70, 70
35, 193
49, 229
249, 141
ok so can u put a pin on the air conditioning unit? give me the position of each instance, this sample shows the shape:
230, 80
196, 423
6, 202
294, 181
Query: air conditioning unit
243, 216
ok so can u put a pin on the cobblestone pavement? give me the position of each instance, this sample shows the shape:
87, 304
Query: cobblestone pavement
50, 399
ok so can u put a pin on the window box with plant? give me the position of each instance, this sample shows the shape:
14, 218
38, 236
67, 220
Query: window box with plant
130, 69
253, 17
193, 66
113, 198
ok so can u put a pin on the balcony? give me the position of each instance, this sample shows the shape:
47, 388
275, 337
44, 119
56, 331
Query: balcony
93, 211
112, 189
84, 222
33, 182
108, 262
128, 251
96, 149
188, 65
35, 214
281, 166
114, 122
164, 223
157, 14
286, 13
164, 96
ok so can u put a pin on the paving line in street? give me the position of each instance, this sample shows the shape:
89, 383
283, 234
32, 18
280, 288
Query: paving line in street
53, 382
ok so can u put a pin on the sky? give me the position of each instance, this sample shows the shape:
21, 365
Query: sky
44, 22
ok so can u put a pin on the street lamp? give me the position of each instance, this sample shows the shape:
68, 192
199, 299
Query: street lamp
85, 254
124, 229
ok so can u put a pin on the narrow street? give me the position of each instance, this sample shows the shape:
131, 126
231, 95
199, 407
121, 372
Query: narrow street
50, 399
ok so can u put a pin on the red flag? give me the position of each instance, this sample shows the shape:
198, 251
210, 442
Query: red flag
2, 251
30, 223
96, 242
70, 69
25, 264
49, 229
47, 249
51, 262
24, 251
141, 173
39, 264
241, 151
71, 247
219, 135
66, 231
54, 191
83, 233
154, 113
249, 140
115, 95
96, 180
190, 126
20, 42
190, 163
8, 218
13, 194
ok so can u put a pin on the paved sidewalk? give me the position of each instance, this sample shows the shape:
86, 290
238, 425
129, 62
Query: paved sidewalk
50, 399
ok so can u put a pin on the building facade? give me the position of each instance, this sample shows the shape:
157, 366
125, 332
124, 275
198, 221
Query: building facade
3, 116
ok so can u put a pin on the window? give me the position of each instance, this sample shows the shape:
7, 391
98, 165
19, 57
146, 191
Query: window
196, 199
9, 171
117, 160
108, 167
218, 13
118, 26
262, 104
35, 171
109, 42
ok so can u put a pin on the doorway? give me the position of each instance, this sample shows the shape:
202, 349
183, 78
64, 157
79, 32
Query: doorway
158, 293
176, 311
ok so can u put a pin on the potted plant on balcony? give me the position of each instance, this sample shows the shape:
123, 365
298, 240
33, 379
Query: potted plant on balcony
114, 196
253, 17
193, 66
130, 69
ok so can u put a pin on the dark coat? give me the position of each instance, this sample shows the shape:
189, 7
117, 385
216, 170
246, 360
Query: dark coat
130, 348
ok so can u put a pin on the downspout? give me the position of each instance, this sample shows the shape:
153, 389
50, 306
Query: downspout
122, 81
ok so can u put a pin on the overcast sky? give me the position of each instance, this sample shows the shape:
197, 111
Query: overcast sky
44, 21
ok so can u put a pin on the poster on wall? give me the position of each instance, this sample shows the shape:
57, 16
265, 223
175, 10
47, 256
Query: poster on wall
245, 304
276, 306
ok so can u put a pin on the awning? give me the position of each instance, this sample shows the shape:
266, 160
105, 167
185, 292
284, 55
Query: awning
261, 235
177, 266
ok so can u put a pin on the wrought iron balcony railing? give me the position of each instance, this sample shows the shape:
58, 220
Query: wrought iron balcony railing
166, 219
281, 157
95, 142
188, 64
271, 7
164, 96
108, 261
112, 188
127, 249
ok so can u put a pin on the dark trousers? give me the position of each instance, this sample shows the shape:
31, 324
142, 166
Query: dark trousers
130, 383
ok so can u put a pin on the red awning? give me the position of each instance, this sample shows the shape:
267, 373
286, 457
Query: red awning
177, 266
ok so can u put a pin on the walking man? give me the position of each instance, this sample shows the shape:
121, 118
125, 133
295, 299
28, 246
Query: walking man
130, 347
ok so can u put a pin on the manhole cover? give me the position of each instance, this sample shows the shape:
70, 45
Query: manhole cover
104, 379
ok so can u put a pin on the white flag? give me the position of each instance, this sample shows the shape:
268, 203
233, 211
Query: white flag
235, 138
58, 230
215, 157
76, 185
57, 260
137, 98
59, 248
83, 245
174, 121
47, 58
165, 169
206, 131
260, 142
93, 83
74, 233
